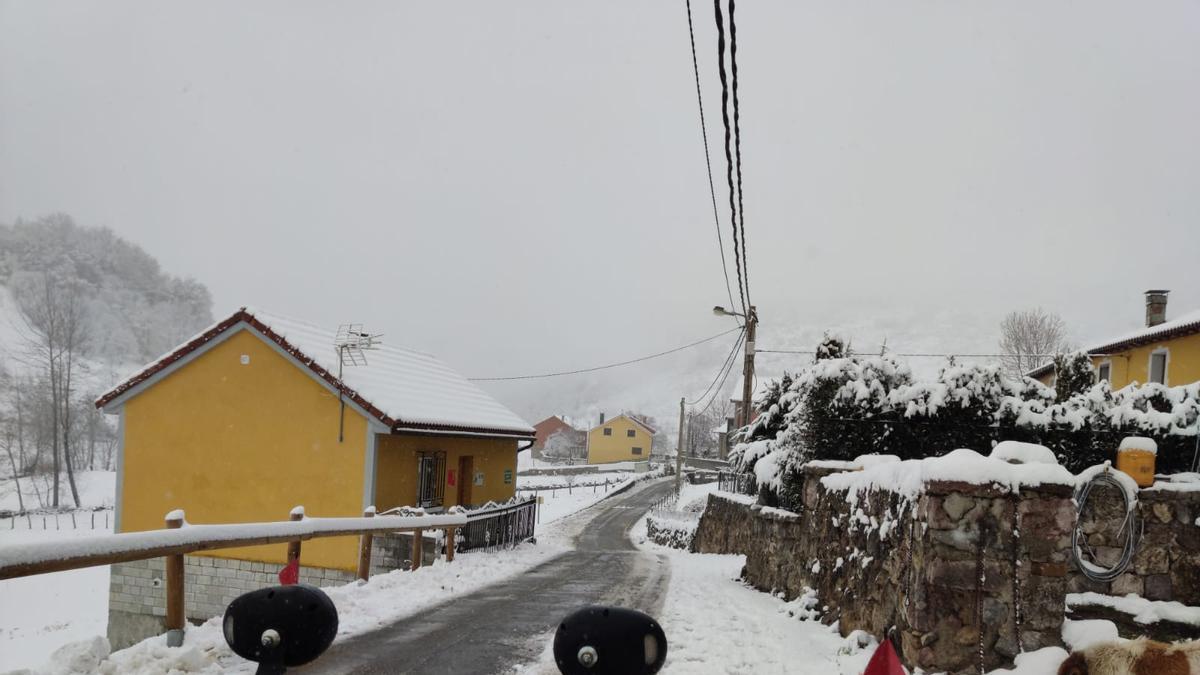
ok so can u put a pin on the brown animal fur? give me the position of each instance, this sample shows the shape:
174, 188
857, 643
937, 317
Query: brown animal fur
1134, 657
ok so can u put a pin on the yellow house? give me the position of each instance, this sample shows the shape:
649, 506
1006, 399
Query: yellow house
621, 439
261, 413
1166, 352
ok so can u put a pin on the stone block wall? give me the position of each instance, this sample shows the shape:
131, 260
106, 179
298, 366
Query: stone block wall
1166, 565
394, 552
956, 569
137, 605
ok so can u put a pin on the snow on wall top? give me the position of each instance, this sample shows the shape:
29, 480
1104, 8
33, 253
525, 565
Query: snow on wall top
910, 477
403, 388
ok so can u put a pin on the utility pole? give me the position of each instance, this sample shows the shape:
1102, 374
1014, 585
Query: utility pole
679, 450
748, 367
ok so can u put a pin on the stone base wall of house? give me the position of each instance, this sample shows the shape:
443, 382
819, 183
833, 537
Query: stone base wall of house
944, 568
394, 552
1166, 565
137, 604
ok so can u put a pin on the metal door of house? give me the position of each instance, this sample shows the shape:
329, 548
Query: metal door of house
466, 476
431, 472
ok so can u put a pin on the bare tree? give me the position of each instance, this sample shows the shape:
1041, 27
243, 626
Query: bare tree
565, 444
53, 313
1030, 338
701, 439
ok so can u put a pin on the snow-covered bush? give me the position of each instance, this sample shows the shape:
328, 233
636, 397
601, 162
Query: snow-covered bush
771, 410
1074, 374
840, 408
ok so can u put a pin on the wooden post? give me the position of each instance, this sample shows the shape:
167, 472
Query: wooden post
293, 552
418, 547
175, 610
364, 549
451, 534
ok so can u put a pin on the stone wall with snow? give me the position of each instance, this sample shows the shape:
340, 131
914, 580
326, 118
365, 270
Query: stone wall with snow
961, 567
1166, 565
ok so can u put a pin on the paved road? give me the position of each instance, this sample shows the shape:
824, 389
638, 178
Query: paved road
497, 627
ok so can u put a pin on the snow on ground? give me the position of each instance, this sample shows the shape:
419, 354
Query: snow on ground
96, 488
31, 627
33, 622
717, 624
361, 607
1142, 610
41, 613
561, 503
526, 482
744, 630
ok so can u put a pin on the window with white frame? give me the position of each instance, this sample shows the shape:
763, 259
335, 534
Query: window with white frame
1158, 366
1104, 372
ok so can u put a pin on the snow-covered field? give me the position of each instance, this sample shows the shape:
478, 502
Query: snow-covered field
96, 488
42, 613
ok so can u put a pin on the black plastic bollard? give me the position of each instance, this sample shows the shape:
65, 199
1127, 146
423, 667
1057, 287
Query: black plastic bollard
609, 641
280, 627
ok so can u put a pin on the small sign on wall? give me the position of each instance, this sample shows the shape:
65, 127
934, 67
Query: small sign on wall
508, 476
450, 478
479, 478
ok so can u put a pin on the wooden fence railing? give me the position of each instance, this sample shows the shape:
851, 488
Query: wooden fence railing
172, 543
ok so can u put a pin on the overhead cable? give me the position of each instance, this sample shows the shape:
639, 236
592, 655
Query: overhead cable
604, 367
712, 190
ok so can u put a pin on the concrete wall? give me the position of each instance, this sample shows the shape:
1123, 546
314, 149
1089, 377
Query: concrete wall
914, 564
137, 603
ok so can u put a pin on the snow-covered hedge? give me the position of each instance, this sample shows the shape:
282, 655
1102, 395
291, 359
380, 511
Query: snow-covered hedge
840, 408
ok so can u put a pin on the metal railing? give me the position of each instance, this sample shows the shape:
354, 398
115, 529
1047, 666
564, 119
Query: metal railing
499, 527
739, 483
665, 503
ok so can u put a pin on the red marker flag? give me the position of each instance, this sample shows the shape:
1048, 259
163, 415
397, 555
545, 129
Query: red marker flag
885, 661
290, 575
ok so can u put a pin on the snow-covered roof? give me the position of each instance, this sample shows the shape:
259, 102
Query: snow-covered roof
1185, 324
403, 388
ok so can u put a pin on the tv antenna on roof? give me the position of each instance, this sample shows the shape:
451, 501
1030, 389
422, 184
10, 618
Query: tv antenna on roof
351, 343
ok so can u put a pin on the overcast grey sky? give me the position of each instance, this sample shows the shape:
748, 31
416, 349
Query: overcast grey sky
520, 186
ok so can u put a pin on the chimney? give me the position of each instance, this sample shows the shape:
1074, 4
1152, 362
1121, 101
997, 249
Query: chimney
1156, 307
601, 418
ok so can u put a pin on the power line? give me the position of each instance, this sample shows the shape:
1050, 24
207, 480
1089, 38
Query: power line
724, 365
733, 217
920, 355
712, 190
604, 367
737, 141
717, 391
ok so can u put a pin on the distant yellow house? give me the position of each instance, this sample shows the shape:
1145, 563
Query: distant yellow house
621, 439
1166, 352
252, 418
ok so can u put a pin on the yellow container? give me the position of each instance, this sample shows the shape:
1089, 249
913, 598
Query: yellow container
1136, 458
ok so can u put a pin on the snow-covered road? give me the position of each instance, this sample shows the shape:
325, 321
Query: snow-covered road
512, 621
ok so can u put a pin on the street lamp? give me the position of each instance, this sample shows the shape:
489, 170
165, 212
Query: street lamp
751, 323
